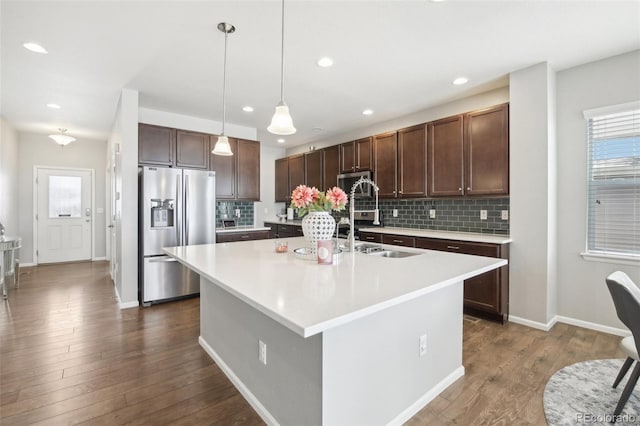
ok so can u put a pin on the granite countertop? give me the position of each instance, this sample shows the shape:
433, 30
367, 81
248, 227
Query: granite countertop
245, 228
309, 298
442, 235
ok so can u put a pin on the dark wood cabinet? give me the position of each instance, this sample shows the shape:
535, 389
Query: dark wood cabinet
296, 172
485, 295
357, 155
370, 237
192, 150
330, 166
284, 230
156, 145
282, 180
412, 161
237, 176
445, 157
313, 170
386, 164
486, 146
399, 240
230, 237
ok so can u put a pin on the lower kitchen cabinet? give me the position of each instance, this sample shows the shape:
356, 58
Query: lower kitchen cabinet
399, 240
371, 237
279, 230
486, 295
231, 237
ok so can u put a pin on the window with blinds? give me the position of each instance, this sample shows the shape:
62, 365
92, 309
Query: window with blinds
613, 213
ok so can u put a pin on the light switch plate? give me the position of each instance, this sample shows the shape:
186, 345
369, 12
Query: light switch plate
432, 214
395, 212
504, 214
483, 215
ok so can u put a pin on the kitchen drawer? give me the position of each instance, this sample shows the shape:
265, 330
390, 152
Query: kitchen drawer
399, 240
242, 236
479, 249
371, 237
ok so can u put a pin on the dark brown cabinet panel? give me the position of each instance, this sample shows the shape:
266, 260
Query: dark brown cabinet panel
282, 180
445, 157
347, 157
487, 151
399, 240
296, 171
412, 162
313, 170
371, 237
225, 168
156, 145
330, 166
485, 295
284, 230
357, 155
386, 164
248, 170
241, 236
192, 150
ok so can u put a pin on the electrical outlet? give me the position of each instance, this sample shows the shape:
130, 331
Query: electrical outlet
432, 214
395, 212
422, 345
504, 214
262, 352
483, 215
237, 212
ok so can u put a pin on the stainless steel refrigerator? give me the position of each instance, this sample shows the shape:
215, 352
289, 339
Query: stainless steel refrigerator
177, 207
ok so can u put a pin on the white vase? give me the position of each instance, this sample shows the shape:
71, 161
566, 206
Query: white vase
317, 226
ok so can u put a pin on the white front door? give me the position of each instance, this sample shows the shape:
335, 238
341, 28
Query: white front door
63, 215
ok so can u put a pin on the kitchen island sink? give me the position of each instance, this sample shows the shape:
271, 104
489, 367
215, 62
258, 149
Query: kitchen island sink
333, 344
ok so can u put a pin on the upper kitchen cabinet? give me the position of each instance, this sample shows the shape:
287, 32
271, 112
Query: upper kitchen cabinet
156, 145
296, 172
445, 154
313, 169
469, 154
282, 180
237, 176
386, 164
357, 155
486, 145
192, 150
330, 166
412, 161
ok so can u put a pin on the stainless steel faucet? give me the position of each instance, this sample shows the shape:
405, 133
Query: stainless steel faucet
351, 239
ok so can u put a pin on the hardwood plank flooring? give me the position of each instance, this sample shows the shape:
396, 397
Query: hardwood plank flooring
69, 355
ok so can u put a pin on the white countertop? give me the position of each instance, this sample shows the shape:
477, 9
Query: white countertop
245, 228
309, 298
443, 235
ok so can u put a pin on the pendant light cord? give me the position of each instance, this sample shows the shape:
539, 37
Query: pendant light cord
282, 59
224, 82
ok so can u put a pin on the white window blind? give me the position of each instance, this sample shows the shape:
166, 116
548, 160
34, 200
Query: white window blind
613, 213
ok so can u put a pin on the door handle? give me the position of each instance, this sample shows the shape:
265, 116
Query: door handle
109, 226
163, 260
186, 212
178, 209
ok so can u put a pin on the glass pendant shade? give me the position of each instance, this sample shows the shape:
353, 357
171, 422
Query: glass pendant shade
61, 138
281, 123
222, 146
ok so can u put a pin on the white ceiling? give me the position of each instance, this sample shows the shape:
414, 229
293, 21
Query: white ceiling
395, 57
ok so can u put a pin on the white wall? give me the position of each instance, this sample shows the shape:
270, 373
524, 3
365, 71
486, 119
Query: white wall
267, 208
582, 291
9, 178
39, 150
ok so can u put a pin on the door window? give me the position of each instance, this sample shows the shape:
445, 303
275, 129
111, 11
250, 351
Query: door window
65, 196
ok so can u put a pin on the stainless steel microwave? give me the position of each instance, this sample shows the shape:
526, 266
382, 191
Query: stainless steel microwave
347, 180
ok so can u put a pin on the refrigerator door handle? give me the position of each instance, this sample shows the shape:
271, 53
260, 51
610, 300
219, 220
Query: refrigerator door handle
178, 218
186, 211
163, 260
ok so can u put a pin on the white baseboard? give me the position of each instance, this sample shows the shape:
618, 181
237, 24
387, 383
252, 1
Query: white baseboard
246, 393
533, 324
411, 411
96, 259
593, 326
125, 305
27, 264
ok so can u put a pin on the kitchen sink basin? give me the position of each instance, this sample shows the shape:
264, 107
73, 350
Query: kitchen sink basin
393, 253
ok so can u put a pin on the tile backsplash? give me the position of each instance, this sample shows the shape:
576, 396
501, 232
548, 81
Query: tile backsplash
227, 210
460, 215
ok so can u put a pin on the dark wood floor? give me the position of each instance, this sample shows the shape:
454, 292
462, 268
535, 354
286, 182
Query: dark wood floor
68, 355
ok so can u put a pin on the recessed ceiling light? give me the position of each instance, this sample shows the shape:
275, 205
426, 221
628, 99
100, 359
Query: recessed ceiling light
460, 80
280, 140
53, 106
247, 109
367, 112
35, 47
316, 129
325, 62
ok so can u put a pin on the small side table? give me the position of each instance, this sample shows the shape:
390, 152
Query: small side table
8, 247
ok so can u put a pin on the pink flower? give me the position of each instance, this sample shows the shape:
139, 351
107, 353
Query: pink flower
302, 196
337, 198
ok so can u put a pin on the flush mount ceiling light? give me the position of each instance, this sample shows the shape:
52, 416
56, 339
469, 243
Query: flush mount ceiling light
460, 80
53, 106
61, 138
367, 112
282, 123
325, 62
35, 47
222, 146
247, 109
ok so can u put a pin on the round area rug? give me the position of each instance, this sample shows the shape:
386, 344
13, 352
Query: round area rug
582, 394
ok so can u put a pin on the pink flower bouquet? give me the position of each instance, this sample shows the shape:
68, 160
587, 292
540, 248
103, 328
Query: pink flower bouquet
305, 200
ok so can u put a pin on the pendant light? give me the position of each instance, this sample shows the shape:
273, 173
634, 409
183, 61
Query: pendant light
61, 138
222, 146
281, 123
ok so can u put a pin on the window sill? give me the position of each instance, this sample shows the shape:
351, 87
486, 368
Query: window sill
611, 258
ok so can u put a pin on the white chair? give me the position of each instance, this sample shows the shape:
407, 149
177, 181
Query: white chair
626, 298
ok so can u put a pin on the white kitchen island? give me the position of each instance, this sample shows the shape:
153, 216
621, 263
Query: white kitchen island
342, 341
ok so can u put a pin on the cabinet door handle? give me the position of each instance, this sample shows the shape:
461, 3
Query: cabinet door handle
244, 236
459, 189
468, 188
400, 192
453, 247
398, 241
